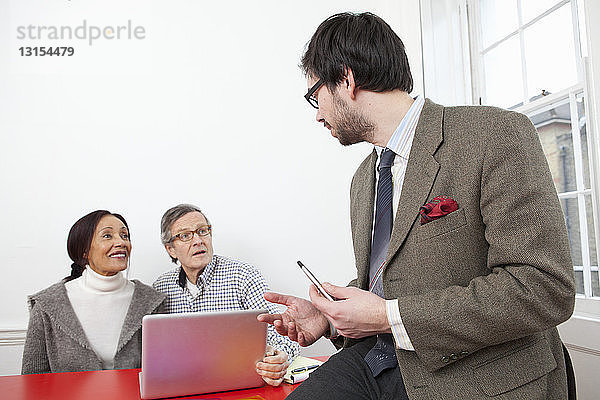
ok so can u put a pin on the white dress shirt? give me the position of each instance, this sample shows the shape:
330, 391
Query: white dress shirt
400, 143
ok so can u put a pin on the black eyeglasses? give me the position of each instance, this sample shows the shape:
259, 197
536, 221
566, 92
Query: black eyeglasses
310, 95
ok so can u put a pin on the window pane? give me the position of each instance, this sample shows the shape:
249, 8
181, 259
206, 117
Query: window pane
503, 78
550, 53
584, 139
498, 19
533, 8
554, 129
571, 213
592, 244
579, 282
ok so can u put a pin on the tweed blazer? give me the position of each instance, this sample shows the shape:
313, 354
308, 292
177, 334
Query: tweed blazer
56, 341
480, 290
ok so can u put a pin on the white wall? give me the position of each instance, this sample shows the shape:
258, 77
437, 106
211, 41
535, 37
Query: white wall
207, 109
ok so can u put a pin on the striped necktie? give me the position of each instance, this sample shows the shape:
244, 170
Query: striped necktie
383, 354
383, 222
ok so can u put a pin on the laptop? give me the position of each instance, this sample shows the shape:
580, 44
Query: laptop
194, 353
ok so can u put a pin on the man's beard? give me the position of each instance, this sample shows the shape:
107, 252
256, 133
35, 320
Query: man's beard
350, 126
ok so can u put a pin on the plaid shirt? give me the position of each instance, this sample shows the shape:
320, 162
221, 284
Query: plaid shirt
224, 284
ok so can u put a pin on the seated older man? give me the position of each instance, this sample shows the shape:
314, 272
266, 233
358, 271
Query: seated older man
209, 282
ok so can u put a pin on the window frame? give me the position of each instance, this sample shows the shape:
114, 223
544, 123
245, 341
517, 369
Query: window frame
587, 304
478, 51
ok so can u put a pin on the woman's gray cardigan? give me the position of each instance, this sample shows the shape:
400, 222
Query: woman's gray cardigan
56, 341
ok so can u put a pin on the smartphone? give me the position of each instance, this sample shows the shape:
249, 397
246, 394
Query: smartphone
315, 281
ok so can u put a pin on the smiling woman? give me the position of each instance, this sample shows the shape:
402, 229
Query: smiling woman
91, 319
110, 247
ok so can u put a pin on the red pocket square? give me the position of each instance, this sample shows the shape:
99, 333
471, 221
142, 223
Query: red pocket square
437, 208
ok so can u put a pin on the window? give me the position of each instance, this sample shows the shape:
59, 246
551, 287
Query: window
562, 126
524, 55
529, 55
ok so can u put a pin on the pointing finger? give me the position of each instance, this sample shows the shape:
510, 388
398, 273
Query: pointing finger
269, 318
278, 298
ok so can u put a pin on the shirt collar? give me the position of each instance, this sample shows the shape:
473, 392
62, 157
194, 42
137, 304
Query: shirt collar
96, 283
401, 140
181, 278
203, 278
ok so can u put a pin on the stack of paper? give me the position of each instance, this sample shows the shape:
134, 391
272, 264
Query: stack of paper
300, 368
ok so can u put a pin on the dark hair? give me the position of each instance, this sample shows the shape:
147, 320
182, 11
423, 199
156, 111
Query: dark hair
367, 45
80, 240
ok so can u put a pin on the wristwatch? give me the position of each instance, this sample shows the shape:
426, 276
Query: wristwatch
333, 334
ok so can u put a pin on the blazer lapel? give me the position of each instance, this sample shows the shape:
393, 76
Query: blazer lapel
361, 208
145, 300
55, 302
421, 172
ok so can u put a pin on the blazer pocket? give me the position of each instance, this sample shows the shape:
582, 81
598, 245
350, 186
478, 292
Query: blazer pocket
445, 224
515, 369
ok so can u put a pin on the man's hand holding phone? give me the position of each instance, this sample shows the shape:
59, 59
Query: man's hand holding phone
314, 281
355, 313
352, 312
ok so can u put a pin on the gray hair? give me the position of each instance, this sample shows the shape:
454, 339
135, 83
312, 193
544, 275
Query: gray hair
172, 215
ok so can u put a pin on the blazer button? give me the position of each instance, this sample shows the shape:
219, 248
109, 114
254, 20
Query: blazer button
464, 353
445, 359
453, 357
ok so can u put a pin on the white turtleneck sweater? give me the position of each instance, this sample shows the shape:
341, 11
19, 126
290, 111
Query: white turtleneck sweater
101, 304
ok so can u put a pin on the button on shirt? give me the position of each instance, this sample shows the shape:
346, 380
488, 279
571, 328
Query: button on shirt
400, 143
223, 285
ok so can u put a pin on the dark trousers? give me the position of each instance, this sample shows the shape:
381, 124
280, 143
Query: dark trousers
346, 376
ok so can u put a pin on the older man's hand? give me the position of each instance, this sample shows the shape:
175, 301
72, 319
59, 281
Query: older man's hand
301, 321
273, 366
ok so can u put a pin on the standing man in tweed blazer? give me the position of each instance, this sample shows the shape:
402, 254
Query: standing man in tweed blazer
462, 257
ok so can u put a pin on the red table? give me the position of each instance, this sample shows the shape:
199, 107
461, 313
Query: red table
120, 384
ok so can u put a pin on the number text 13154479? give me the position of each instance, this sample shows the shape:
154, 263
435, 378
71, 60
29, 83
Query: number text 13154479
46, 51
